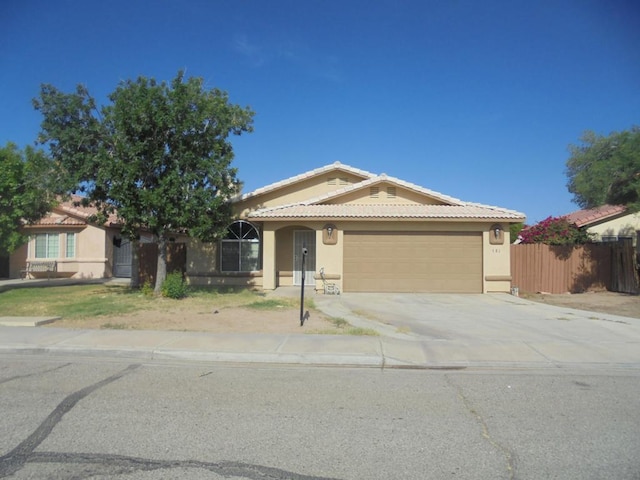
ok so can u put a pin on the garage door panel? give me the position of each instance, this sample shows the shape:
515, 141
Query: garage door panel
412, 262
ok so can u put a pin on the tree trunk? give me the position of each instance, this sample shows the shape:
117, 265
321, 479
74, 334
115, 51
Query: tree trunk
161, 272
135, 264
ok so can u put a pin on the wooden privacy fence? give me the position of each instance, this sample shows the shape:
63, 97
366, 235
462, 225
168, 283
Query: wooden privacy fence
562, 269
148, 258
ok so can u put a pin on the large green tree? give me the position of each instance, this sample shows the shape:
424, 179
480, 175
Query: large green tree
606, 169
25, 192
158, 154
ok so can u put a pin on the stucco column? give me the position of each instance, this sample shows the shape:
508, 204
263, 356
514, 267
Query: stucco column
268, 259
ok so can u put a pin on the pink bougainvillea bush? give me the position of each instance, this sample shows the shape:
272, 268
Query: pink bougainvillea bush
554, 231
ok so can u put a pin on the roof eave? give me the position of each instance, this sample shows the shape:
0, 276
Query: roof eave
484, 219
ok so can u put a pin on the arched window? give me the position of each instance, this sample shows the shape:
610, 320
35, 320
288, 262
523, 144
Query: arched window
240, 250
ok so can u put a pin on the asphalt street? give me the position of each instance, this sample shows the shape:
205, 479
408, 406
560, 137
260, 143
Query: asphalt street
110, 418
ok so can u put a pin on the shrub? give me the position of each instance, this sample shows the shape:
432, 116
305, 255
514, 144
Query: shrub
147, 288
174, 286
554, 231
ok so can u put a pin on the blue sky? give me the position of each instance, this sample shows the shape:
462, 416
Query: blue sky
474, 99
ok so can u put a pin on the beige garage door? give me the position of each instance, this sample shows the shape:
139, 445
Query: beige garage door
412, 262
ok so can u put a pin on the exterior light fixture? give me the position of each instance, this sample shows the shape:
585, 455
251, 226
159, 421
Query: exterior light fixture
496, 236
328, 237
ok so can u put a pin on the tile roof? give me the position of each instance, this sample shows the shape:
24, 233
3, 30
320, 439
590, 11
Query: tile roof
72, 215
399, 211
590, 216
452, 208
376, 179
304, 176
65, 220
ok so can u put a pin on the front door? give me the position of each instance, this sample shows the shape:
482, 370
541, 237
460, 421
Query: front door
122, 259
304, 239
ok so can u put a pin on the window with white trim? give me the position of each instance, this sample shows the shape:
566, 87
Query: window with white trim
47, 245
71, 245
240, 249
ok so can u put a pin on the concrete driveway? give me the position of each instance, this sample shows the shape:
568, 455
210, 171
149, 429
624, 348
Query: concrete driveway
481, 317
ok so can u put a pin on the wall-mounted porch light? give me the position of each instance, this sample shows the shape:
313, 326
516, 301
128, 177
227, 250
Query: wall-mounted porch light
329, 234
496, 235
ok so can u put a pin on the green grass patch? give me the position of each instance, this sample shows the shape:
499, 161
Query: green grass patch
84, 301
345, 331
269, 304
71, 301
339, 322
114, 326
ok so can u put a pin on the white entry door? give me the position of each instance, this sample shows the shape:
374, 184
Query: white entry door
304, 239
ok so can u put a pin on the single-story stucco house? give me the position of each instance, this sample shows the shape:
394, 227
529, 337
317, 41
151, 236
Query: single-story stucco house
607, 223
366, 232
76, 247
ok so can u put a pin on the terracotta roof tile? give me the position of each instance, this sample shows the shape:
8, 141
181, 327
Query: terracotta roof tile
590, 216
71, 214
56, 221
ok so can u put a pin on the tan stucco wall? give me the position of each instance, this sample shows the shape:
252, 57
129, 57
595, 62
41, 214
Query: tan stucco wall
330, 258
18, 261
90, 259
403, 196
203, 267
202, 258
277, 253
306, 189
622, 227
284, 256
91, 255
496, 258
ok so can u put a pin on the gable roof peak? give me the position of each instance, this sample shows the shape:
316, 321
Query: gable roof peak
303, 176
376, 179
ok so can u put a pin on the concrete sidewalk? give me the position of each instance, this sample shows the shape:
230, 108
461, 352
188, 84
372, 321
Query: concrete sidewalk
322, 350
415, 331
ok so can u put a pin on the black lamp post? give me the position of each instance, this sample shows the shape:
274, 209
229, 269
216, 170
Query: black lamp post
304, 256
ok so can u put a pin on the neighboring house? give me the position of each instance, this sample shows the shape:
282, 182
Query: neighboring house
366, 232
607, 223
80, 249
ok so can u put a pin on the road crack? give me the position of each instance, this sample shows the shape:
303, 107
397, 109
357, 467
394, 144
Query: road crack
16, 458
95, 464
19, 377
486, 433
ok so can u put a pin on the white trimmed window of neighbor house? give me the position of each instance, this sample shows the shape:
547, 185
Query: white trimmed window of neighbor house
240, 249
47, 245
71, 245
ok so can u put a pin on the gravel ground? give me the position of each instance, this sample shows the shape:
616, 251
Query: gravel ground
605, 302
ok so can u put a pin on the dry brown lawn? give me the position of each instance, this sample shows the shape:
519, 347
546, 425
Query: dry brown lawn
604, 302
